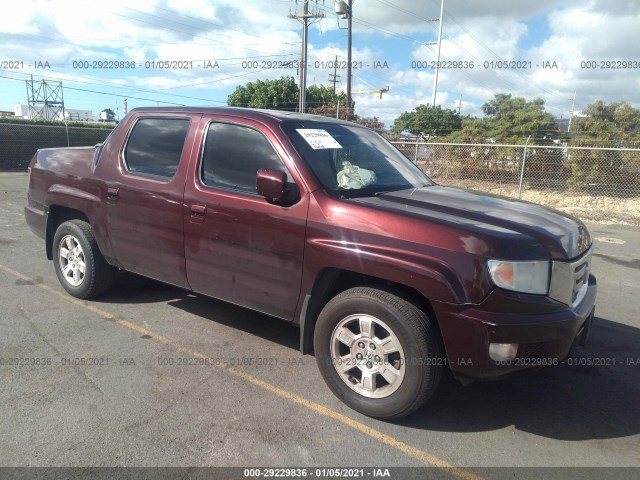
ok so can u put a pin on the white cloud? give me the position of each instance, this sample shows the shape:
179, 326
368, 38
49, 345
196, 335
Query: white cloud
195, 8
21, 17
233, 32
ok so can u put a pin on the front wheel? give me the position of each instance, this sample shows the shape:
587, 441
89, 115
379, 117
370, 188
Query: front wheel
379, 353
79, 265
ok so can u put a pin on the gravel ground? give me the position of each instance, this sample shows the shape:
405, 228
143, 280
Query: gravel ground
600, 209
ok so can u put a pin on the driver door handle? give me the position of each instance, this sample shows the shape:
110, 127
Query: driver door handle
112, 193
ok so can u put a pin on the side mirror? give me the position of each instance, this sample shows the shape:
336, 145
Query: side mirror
271, 184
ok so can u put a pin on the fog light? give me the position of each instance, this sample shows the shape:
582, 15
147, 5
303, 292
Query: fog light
503, 351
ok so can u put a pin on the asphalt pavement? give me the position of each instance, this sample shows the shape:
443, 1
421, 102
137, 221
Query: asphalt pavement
151, 375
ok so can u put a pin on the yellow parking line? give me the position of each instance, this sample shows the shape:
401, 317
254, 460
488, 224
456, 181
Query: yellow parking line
308, 404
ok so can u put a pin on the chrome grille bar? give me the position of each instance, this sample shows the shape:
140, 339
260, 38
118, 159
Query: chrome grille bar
569, 280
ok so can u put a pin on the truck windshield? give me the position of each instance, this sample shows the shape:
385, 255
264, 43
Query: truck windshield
352, 161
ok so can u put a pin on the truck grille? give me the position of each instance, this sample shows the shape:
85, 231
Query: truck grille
569, 280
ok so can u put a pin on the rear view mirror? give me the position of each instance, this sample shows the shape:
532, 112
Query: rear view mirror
271, 184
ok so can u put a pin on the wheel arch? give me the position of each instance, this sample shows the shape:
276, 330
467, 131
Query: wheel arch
56, 216
332, 281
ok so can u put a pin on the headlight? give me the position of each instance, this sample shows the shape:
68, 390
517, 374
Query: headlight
525, 277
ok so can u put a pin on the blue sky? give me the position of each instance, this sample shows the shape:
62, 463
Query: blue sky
248, 39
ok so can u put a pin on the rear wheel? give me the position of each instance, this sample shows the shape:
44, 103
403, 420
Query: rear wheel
79, 265
379, 353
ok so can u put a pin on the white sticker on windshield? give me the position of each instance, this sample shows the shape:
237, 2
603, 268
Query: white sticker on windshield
318, 139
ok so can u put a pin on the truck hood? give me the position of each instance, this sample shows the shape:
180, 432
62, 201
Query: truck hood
565, 237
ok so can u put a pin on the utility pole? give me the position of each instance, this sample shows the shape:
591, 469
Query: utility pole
334, 78
344, 8
305, 16
573, 104
435, 81
460, 105
125, 108
349, 29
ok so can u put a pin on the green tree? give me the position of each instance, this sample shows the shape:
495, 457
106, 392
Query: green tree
280, 94
283, 94
604, 125
607, 125
509, 120
513, 119
343, 113
373, 123
463, 159
425, 119
332, 109
474, 130
110, 114
323, 101
319, 95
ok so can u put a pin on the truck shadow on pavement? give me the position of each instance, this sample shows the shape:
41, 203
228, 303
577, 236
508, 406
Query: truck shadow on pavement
133, 289
592, 395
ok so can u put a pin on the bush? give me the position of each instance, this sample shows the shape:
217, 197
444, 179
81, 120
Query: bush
20, 141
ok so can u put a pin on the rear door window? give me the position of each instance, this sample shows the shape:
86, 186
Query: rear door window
155, 146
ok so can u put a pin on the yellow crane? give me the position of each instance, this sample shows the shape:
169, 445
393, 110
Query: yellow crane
378, 91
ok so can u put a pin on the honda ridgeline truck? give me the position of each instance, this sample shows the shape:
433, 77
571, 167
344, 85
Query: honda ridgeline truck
391, 278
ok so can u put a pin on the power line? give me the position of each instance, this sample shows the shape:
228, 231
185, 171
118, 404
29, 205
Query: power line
141, 98
400, 9
498, 57
460, 47
105, 93
107, 83
417, 41
175, 29
368, 24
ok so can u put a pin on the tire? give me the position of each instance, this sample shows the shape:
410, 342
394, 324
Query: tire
79, 265
379, 353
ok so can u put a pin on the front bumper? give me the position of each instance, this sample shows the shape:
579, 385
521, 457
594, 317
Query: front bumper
544, 329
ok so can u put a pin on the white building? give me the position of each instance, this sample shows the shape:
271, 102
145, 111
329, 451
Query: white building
21, 111
70, 114
75, 115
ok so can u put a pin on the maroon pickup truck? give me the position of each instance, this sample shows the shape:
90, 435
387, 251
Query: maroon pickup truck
391, 278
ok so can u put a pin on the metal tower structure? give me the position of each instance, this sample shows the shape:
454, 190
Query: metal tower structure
45, 99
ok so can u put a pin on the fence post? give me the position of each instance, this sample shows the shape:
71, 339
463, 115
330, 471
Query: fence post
66, 128
415, 155
524, 161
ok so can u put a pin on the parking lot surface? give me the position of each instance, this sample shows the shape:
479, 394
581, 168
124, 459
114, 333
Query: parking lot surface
151, 375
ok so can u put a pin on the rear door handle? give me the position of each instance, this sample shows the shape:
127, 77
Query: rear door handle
112, 193
198, 210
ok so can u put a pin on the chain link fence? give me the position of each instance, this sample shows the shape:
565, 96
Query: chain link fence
19, 141
590, 182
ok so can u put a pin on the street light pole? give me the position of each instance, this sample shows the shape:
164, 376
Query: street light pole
435, 81
303, 64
